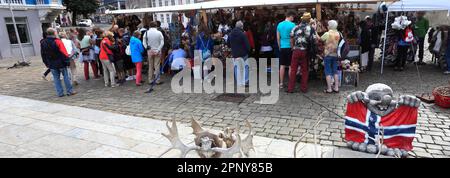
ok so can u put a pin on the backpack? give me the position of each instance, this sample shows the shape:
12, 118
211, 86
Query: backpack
343, 48
206, 53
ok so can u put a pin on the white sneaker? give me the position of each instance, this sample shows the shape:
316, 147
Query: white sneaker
134, 77
130, 78
447, 72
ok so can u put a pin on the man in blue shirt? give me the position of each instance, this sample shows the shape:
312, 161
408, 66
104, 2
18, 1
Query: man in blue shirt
284, 40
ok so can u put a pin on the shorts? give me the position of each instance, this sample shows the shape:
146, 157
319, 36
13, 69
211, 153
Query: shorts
285, 57
331, 65
119, 66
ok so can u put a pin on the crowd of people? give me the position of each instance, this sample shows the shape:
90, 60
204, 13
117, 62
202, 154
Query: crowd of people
118, 54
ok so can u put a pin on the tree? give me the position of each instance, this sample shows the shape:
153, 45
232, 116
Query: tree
83, 7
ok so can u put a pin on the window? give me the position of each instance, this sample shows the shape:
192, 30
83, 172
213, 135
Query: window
180, 2
168, 18
153, 3
22, 28
188, 1
173, 2
166, 2
162, 18
160, 3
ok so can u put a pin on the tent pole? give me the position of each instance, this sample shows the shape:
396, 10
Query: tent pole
384, 43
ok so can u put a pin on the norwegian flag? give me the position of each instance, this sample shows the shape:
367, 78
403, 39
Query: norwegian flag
399, 126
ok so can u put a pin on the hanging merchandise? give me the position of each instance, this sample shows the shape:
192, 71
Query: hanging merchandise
401, 23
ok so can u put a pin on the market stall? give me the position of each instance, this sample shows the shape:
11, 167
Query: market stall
412, 6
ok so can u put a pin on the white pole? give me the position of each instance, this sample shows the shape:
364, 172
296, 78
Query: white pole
384, 44
17, 33
118, 5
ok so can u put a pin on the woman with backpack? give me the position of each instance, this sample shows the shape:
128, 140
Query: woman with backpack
331, 39
204, 44
87, 53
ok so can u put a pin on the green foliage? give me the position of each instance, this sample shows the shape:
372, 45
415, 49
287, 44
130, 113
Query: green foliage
81, 6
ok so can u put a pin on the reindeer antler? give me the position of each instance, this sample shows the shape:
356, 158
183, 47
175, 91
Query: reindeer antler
174, 139
247, 143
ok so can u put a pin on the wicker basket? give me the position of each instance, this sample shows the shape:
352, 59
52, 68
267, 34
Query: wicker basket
441, 99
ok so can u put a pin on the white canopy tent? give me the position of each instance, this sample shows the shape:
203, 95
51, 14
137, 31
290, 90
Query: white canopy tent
413, 6
218, 4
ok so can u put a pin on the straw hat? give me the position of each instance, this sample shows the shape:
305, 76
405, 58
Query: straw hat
306, 16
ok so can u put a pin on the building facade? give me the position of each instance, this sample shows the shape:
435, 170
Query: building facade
31, 16
164, 18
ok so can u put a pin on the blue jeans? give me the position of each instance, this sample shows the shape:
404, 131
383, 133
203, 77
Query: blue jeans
447, 57
331, 65
57, 81
241, 66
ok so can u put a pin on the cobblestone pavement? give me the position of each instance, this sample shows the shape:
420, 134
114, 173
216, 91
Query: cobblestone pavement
287, 120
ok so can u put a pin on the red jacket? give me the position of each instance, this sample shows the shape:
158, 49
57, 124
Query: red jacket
105, 49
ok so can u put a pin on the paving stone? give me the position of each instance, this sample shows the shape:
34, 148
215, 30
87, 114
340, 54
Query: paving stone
151, 149
112, 152
51, 127
101, 138
9, 151
61, 146
423, 155
17, 135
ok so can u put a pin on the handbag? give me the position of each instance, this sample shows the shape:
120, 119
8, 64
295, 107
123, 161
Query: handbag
128, 50
86, 51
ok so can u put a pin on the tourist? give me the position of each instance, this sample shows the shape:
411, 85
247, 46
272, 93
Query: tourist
284, 40
72, 52
267, 40
87, 53
153, 43
178, 59
303, 36
137, 49
369, 40
97, 38
249, 33
405, 39
54, 55
167, 43
44, 76
107, 58
119, 56
421, 30
240, 48
205, 44
331, 39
